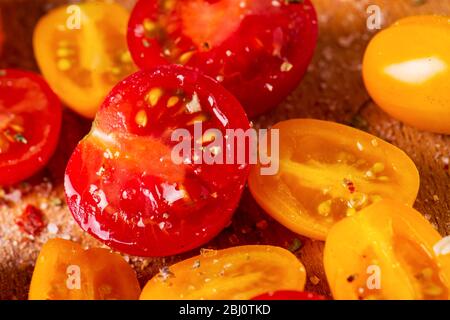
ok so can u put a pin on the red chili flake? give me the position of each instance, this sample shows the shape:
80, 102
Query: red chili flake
262, 225
31, 221
234, 239
446, 167
350, 185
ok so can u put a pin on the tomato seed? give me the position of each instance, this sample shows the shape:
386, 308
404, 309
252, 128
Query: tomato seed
153, 96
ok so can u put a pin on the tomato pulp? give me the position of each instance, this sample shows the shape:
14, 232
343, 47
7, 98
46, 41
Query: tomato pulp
30, 122
259, 50
122, 184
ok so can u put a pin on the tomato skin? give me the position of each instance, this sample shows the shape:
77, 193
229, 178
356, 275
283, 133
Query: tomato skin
259, 65
135, 198
395, 242
406, 71
236, 273
39, 128
83, 64
316, 186
103, 275
2, 36
289, 295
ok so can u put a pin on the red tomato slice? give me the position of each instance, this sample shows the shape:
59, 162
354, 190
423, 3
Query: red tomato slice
289, 295
30, 122
121, 183
259, 50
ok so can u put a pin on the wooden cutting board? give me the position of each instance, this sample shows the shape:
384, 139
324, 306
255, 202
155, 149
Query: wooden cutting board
331, 90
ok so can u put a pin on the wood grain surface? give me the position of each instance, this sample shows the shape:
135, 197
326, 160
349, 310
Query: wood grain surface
331, 90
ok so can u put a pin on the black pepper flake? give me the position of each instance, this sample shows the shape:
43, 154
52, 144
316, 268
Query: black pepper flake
351, 278
294, 1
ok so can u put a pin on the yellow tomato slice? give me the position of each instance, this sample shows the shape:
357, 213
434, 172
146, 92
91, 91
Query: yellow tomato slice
83, 64
235, 273
329, 171
64, 271
406, 70
386, 252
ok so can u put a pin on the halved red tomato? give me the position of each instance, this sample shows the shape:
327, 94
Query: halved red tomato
259, 50
123, 183
289, 295
30, 121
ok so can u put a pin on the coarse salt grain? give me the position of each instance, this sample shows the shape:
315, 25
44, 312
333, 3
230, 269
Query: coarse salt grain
52, 228
442, 247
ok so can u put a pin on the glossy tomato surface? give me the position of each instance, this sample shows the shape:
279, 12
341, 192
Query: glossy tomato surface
388, 251
237, 273
329, 171
30, 122
289, 295
128, 186
82, 52
259, 50
64, 271
406, 70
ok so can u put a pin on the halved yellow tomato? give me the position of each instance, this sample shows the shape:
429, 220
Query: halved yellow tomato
82, 52
386, 252
235, 273
328, 171
406, 70
64, 271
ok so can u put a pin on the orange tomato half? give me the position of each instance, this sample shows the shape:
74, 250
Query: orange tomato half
406, 70
82, 52
386, 252
235, 273
328, 171
64, 271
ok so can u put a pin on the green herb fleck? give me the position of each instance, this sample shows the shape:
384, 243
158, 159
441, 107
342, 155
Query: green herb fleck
18, 137
359, 122
295, 245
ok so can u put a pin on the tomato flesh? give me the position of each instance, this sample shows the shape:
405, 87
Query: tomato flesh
237, 273
317, 186
387, 251
64, 271
30, 122
122, 184
259, 50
